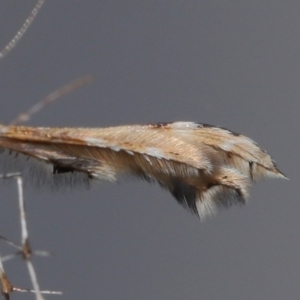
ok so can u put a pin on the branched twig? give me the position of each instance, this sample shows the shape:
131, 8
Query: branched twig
25, 250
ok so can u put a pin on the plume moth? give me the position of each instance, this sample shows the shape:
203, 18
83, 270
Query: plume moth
204, 167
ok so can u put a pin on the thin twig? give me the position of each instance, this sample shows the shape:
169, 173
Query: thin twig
22, 30
9, 257
15, 289
24, 230
34, 280
10, 175
10, 242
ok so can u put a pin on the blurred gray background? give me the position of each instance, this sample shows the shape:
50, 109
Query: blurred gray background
230, 63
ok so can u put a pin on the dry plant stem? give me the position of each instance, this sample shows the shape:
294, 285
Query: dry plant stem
34, 281
10, 175
10, 243
23, 29
24, 231
33, 291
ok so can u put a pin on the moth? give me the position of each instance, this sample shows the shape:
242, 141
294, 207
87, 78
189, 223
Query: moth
204, 167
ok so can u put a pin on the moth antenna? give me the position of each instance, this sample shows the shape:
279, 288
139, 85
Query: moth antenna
66, 89
22, 30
